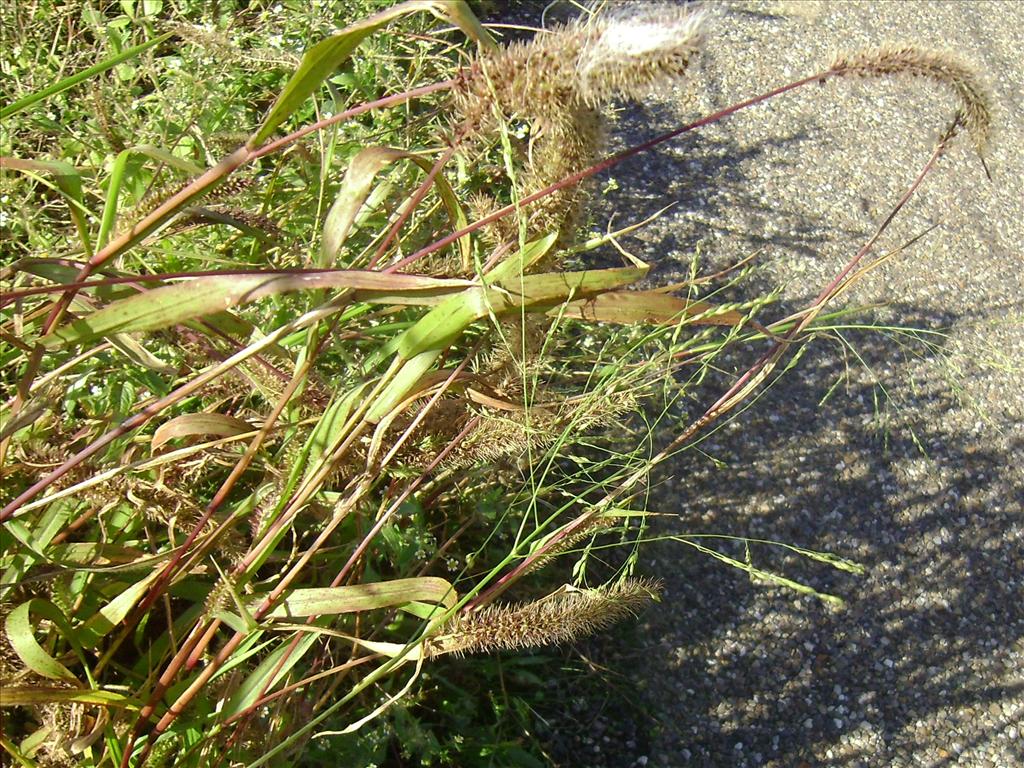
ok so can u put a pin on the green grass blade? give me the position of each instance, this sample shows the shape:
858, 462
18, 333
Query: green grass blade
460, 14
113, 613
116, 182
318, 601
443, 324
325, 57
356, 187
117, 171
323, 437
403, 382
15, 696
173, 304
21, 636
649, 308
80, 77
267, 674
319, 63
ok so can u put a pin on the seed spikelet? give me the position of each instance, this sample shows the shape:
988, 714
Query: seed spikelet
940, 66
627, 55
594, 525
561, 617
559, 81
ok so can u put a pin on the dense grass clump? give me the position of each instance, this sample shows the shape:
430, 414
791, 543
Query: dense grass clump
306, 384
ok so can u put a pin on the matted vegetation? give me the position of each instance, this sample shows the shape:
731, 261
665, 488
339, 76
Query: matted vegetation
307, 379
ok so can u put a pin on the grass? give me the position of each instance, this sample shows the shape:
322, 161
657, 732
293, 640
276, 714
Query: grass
305, 375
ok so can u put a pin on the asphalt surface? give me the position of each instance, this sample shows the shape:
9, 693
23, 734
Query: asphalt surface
903, 456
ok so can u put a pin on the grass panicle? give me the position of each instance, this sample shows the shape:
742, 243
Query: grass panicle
561, 617
558, 83
940, 66
236, 499
633, 50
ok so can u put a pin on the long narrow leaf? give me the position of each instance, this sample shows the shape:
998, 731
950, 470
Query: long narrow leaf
648, 308
80, 77
356, 186
320, 62
28, 696
267, 674
21, 635
325, 57
113, 613
173, 304
116, 181
191, 424
446, 322
365, 597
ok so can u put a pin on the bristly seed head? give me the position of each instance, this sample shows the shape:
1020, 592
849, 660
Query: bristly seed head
594, 525
940, 66
558, 82
629, 53
561, 617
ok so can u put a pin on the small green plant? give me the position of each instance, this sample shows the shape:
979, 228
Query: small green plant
288, 414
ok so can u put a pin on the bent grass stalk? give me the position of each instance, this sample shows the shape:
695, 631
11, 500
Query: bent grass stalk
208, 181
744, 386
354, 457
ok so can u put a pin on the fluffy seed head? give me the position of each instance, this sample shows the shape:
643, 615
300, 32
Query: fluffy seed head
558, 618
558, 82
628, 54
624, 53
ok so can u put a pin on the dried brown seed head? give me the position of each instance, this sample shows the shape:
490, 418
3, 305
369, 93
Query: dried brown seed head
940, 66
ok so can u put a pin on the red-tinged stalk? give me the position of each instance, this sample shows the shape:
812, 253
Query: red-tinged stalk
353, 559
603, 604
361, 489
136, 421
135, 234
743, 386
365, 543
604, 165
163, 683
387, 101
242, 718
764, 365
185, 698
352, 430
268, 698
206, 182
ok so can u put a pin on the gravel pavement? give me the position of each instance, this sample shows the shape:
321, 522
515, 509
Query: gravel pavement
902, 456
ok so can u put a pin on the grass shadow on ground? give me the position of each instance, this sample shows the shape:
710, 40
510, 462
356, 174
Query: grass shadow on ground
735, 673
728, 673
